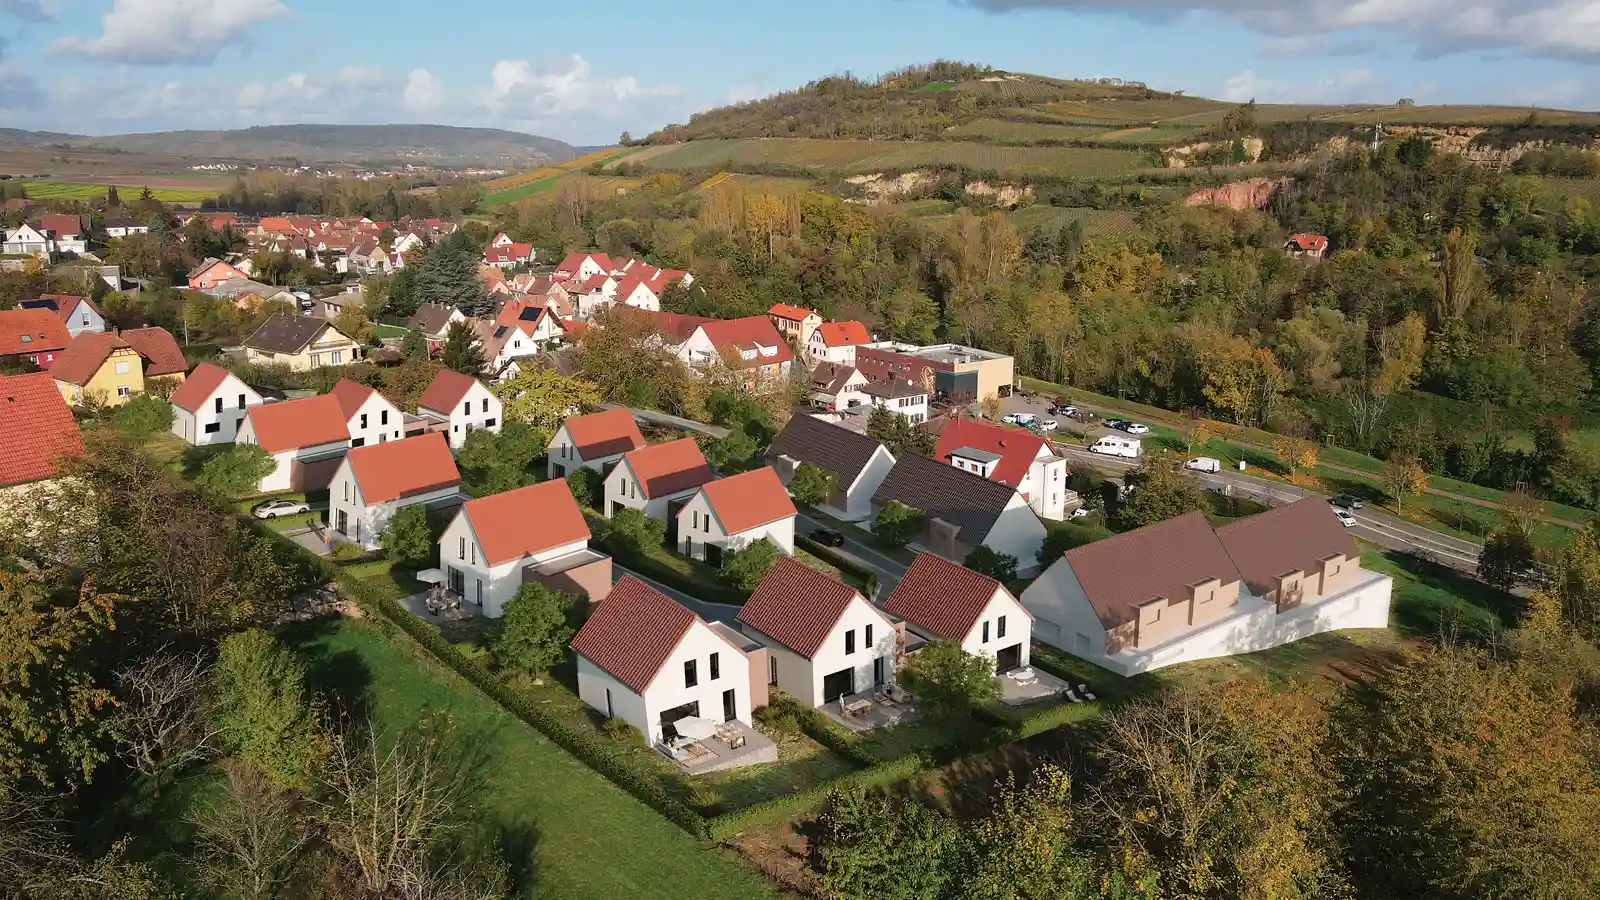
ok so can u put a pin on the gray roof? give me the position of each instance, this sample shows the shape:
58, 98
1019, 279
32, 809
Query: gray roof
893, 389
824, 445
432, 318
285, 334
976, 453
970, 502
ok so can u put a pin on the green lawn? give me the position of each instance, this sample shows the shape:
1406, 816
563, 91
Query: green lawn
573, 835
388, 331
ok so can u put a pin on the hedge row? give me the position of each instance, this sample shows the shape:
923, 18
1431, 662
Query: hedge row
589, 749
817, 726
1053, 717
791, 806
658, 571
828, 555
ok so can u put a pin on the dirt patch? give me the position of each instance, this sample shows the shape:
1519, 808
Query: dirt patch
880, 189
1250, 194
781, 854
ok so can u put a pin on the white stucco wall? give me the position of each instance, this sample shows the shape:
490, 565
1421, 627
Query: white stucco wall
668, 690
693, 540
500, 581
597, 688
1018, 628
365, 523
831, 656
479, 409
1018, 532
383, 422
1046, 486
858, 496
192, 426
622, 489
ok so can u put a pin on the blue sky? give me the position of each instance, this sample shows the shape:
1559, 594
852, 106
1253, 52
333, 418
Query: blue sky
585, 72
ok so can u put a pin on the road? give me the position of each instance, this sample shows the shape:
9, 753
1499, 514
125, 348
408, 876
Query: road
705, 609
888, 569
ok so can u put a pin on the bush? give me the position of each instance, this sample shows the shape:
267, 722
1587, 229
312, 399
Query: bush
811, 485
532, 636
1063, 536
619, 730
235, 472
587, 487
867, 577
743, 569
633, 534
142, 417
408, 540
897, 524
790, 806
1002, 567
263, 713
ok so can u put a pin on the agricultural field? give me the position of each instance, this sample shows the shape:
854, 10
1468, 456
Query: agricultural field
1094, 222
129, 189
511, 188
1468, 115
876, 156
772, 184
1148, 136
1003, 131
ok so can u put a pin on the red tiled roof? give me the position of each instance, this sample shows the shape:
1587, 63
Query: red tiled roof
446, 391
843, 334
574, 260
159, 348
604, 433
668, 468
62, 224
199, 386
1123, 572
792, 313
396, 469
1312, 242
628, 282
526, 521
36, 428
293, 424
941, 598
593, 283
730, 336
1293, 537
797, 606
350, 395
44, 329
1017, 448
85, 355
749, 500
632, 631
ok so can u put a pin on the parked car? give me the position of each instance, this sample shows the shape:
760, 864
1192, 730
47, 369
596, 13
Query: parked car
1116, 446
827, 537
1348, 501
1022, 418
272, 509
1048, 425
1118, 424
1064, 409
1204, 464
1344, 517
1135, 428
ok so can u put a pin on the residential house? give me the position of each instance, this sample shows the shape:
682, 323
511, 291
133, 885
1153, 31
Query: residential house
581, 266
433, 321
590, 295
209, 406
596, 441
68, 232
508, 256
373, 483
657, 480
639, 292
369, 416
460, 404
857, 463
729, 514
335, 306
122, 226
212, 272
236, 289
837, 387
520, 330
646, 659
1013, 457
537, 533
1307, 246
951, 371
824, 640
307, 440
35, 335
750, 346
300, 342
836, 342
111, 368
942, 601
368, 257
26, 240
963, 511
905, 398
1178, 590
795, 323
37, 430
79, 314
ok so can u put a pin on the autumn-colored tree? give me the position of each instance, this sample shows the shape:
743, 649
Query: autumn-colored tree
543, 398
1401, 348
1243, 382
1404, 477
1298, 453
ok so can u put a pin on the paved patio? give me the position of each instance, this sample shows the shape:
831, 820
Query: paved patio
880, 715
713, 754
311, 541
418, 604
1037, 685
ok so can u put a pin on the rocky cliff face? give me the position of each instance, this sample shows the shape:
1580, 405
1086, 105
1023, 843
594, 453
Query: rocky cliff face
1252, 194
1183, 157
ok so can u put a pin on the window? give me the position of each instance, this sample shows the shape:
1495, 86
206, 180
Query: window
489, 423
383, 417
474, 553
849, 642
347, 492
483, 405
1000, 627
213, 428
690, 678
358, 442
772, 670
716, 666
985, 632
338, 357
456, 429
122, 368
242, 404
124, 391
27, 338
219, 404
84, 321
466, 408
866, 637
462, 553
363, 421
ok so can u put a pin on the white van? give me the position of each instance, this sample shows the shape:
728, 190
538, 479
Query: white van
1204, 464
1116, 446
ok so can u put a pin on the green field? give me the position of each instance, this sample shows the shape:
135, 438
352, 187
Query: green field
1003, 131
67, 190
1093, 221
876, 156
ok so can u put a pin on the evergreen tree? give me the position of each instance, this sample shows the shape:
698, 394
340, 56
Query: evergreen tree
449, 275
461, 351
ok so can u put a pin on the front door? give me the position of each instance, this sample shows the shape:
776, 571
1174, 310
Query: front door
838, 684
1008, 658
878, 667
730, 706
457, 581
342, 522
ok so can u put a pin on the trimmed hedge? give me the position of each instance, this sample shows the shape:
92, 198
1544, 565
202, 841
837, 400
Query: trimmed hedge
827, 554
1054, 717
589, 749
791, 806
817, 726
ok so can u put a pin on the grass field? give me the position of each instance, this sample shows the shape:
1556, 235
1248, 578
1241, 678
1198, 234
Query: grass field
68, 190
572, 834
772, 184
1002, 131
1093, 221
875, 156
512, 188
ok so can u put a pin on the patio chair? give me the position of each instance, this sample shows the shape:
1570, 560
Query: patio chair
1084, 689
1071, 697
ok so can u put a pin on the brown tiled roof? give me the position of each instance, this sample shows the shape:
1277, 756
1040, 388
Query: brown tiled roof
797, 606
44, 329
36, 428
604, 433
941, 598
431, 318
831, 378
827, 446
1123, 572
893, 389
292, 424
396, 469
286, 334
632, 631
85, 355
748, 500
1016, 448
446, 391
526, 521
970, 502
159, 348
1289, 538
668, 468
198, 387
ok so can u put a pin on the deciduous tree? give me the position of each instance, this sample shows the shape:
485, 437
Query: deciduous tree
544, 398
983, 559
408, 539
532, 637
811, 486
743, 569
897, 524
263, 712
948, 681
1404, 477
1158, 490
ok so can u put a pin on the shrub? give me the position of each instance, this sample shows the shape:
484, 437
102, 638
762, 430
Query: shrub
619, 730
811, 485
866, 576
408, 540
142, 417
798, 803
263, 713
587, 487
532, 637
235, 472
897, 524
743, 569
633, 534
949, 681
1002, 567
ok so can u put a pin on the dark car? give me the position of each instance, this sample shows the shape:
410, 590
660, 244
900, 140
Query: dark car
1348, 501
827, 537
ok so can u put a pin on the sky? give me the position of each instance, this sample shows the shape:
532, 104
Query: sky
586, 72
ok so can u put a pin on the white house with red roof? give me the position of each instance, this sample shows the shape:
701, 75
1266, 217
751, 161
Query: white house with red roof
460, 403
836, 342
1307, 246
657, 480
306, 439
942, 601
595, 441
1013, 457
646, 659
208, 407
824, 640
729, 514
369, 416
508, 256
536, 533
639, 292
584, 265
373, 483
212, 272
750, 345
79, 314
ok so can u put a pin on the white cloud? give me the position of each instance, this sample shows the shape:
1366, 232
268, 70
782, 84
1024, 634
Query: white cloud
1561, 28
172, 32
742, 93
31, 10
1354, 86
423, 92
562, 91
